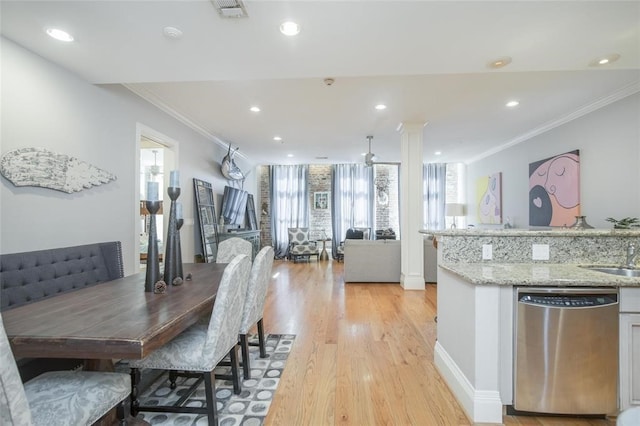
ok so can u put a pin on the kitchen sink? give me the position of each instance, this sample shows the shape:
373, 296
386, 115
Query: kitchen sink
615, 270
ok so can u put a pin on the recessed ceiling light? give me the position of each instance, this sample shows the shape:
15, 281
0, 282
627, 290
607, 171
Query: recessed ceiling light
59, 34
512, 104
437, 153
499, 63
254, 109
277, 138
604, 60
380, 107
172, 33
290, 155
289, 28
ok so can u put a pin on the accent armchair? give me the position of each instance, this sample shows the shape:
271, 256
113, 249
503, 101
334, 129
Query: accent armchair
300, 246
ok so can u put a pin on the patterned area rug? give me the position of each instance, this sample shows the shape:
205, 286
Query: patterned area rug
247, 409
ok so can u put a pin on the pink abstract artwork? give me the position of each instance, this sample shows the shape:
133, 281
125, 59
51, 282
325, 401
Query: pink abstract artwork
554, 190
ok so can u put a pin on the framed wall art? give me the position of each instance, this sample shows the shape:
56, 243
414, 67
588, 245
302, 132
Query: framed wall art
554, 190
320, 200
489, 190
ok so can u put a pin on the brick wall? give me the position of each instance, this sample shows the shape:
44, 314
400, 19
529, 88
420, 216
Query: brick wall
319, 219
386, 183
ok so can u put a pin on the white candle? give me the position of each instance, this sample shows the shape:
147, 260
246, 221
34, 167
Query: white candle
152, 191
174, 179
178, 210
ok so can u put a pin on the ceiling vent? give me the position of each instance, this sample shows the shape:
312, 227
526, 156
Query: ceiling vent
230, 8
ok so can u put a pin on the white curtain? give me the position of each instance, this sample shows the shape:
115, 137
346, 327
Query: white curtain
289, 203
434, 177
353, 195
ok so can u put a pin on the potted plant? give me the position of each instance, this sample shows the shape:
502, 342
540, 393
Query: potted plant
626, 223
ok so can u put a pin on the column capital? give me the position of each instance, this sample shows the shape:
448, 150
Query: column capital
410, 126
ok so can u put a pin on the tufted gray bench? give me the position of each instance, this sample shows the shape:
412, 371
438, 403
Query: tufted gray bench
31, 276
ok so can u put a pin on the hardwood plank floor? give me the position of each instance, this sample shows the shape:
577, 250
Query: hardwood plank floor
363, 354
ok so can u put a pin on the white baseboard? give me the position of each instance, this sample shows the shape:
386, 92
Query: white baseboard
480, 406
412, 282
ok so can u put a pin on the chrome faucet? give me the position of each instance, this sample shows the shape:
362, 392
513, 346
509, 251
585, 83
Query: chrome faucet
632, 254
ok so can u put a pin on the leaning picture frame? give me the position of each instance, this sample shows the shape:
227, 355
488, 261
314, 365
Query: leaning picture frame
320, 200
251, 219
207, 219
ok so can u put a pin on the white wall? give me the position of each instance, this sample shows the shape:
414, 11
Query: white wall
46, 106
609, 144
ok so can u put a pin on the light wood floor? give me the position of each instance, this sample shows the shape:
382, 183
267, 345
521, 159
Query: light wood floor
363, 353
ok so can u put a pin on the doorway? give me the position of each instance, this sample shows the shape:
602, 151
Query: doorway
157, 156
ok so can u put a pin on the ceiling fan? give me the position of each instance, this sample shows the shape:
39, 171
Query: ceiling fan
368, 158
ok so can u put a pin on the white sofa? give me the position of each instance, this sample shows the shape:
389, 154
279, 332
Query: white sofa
379, 261
372, 261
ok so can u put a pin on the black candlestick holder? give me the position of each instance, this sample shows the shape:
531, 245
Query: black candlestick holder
173, 260
179, 224
153, 261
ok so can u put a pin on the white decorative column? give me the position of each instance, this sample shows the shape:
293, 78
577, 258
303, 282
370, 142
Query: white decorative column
411, 267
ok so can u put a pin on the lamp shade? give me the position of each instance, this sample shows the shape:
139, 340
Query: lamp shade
454, 209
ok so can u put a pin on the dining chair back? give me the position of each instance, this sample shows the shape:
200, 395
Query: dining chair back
57, 397
225, 319
14, 407
230, 248
200, 348
254, 305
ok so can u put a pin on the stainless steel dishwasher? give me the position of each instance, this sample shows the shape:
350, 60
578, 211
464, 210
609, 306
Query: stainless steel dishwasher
566, 350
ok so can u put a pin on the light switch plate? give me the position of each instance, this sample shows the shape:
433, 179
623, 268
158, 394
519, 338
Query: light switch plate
540, 252
487, 252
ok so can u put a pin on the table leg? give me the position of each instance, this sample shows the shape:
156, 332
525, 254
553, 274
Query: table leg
323, 254
98, 365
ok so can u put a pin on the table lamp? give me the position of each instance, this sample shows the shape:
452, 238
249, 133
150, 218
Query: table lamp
454, 210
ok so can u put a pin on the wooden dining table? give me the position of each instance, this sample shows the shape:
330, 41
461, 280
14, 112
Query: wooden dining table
112, 320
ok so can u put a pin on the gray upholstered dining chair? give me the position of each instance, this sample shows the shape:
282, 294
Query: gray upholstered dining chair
198, 349
230, 248
57, 397
254, 305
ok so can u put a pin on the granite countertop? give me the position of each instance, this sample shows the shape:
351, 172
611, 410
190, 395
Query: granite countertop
538, 274
517, 232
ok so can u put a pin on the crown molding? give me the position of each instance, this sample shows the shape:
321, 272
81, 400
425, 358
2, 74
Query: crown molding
625, 91
159, 103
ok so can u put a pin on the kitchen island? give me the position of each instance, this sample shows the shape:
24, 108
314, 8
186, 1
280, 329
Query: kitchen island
476, 304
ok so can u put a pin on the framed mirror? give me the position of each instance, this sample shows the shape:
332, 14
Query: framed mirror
207, 219
252, 220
